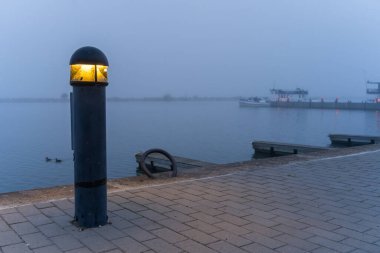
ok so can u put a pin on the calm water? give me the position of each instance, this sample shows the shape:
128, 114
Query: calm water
218, 132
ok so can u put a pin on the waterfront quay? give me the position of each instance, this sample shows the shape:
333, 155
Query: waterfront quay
328, 201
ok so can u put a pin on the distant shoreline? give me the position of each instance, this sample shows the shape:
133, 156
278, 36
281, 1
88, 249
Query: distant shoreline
118, 99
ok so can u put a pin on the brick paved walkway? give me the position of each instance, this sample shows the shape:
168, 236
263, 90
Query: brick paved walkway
330, 205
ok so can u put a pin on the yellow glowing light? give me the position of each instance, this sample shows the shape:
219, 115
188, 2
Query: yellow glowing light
82, 73
86, 67
101, 73
86, 73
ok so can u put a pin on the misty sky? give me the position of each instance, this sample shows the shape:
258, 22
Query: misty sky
193, 47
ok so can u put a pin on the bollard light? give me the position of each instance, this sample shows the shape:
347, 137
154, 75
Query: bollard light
89, 78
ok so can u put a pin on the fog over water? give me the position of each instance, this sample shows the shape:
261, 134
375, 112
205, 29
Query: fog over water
198, 47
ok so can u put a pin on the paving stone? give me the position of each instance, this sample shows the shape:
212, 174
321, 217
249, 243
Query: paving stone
174, 225
117, 199
314, 215
357, 235
232, 228
138, 233
132, 206
169, 235
28, 210
52, 211
359, 251
340, 216
79, 233
12, 218
373, 232
127, 214
194, 247
208, 210
120, 223
346, 224
260, 220
16, 248
158, 208
326, 250
361, 245
161, 246
150, 214
211, 204
179, 216
63, 221
125, 194
66, 242
51, 230
43, 205
319, 224
186, 202
113, 207
264, 240
331, 244
146, 224
24, 228
109, 232
97, 243
70, 212
296, 242
205, 218
290, 249
232, 204
183, 209
270, 232
302, 234
324, 233
63, 204
258, 213
36, 240
117, 251
164, 201
39, 219
48, 249
80, 250
231, 238
225, 247
3, 226
8, 238
199, 236
140, 200
8, 210
258, 248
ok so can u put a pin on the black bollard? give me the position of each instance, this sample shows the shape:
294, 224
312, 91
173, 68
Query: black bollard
88, 115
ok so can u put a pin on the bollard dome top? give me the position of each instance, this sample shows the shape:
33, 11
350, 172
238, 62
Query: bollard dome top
89, 55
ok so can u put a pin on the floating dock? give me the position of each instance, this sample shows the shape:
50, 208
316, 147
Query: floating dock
161, 163
352, 140
270, 149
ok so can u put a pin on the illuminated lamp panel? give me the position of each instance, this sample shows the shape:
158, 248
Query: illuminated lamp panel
82, 73
101, 73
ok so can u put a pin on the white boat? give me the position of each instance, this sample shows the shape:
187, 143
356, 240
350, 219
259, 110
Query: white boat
254, 102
